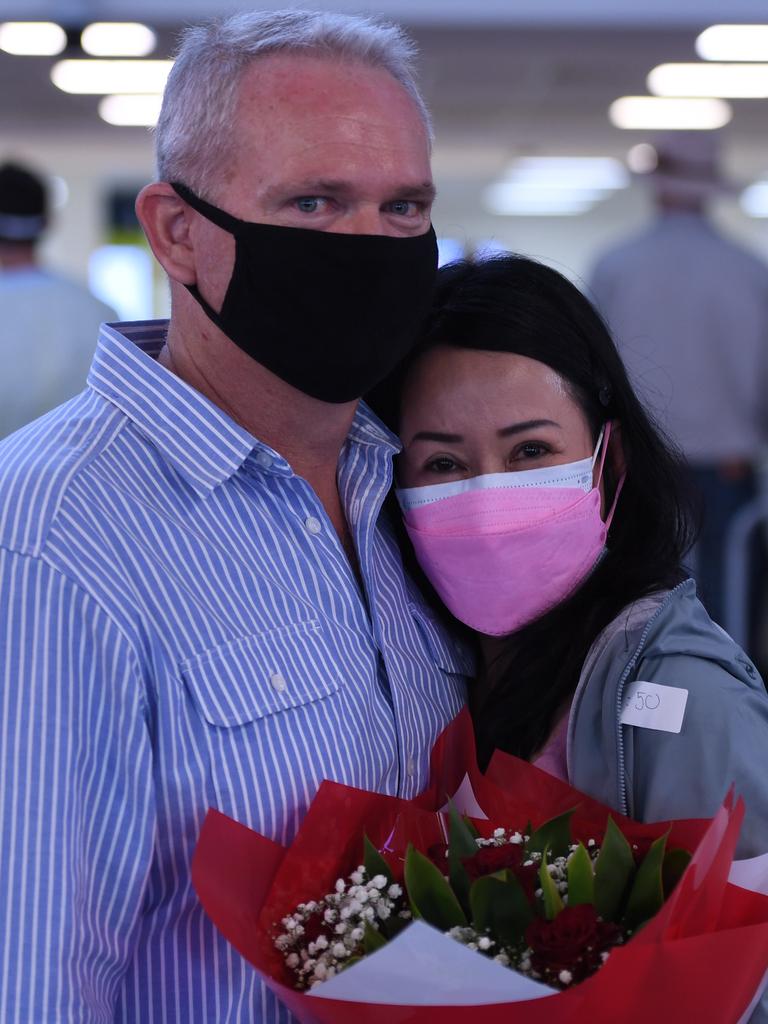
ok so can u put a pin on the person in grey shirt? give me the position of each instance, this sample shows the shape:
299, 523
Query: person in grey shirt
689, 311
47, 321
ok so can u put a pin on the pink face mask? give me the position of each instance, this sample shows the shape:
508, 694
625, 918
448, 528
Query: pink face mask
502, 549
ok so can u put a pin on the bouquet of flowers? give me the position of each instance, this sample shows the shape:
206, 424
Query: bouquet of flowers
518, 894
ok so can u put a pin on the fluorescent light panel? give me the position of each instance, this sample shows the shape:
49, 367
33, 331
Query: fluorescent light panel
656, 113
111, 76
555, 186
733, 42
32, 38
141, 110
118, 39
732, 81
600, 173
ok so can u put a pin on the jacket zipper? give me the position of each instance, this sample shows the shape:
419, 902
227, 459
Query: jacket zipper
620, 694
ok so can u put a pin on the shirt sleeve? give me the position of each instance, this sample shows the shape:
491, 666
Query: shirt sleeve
722, 741
77, 812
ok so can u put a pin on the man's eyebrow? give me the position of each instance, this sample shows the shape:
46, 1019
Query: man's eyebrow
517, 428
424, 190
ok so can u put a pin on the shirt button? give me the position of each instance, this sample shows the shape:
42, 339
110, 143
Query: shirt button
263, 459
278, 681
313, 525
410, 767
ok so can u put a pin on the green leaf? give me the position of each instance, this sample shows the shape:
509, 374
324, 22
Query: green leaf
373, 861
461, 844
647, 893
675, 863
581, 878
470, 827
372, 939
500, 906
555, 834
614, 871
553, 904
431, 896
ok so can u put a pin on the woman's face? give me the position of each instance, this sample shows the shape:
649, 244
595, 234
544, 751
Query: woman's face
467, 413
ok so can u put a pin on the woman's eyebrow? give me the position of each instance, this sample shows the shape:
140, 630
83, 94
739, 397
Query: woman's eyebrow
517, 428
431, 435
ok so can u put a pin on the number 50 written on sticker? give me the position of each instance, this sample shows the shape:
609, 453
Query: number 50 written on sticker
654, 706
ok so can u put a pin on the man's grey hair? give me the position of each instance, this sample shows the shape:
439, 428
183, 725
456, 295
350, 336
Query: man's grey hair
195, 131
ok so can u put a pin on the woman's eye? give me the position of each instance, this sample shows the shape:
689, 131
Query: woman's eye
530, 450
441, 464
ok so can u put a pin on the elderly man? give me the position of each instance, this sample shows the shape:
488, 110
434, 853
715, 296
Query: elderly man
201, 602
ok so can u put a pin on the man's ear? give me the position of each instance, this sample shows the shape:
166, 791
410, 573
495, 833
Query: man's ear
166, 218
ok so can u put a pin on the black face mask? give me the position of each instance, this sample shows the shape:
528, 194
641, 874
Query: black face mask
331, 314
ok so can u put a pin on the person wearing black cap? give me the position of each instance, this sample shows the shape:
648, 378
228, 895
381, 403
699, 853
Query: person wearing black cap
47, 322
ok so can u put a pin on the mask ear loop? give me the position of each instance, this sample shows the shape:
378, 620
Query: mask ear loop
605, 436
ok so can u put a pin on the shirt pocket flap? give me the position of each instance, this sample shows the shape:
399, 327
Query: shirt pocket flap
448, 654
254, 676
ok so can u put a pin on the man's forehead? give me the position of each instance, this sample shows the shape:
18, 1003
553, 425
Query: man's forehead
320, 84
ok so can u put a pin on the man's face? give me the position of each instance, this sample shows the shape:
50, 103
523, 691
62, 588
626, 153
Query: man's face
321, 145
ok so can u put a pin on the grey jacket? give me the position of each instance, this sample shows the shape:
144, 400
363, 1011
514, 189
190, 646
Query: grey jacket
651, 775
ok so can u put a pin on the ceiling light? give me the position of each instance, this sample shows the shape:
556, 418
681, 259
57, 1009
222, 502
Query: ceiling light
142, 110
656, 113
111, 76
733, 81
555, 186
118, 39
642, 158
509, 200
733, 42
570, 172
32, 38
754, 200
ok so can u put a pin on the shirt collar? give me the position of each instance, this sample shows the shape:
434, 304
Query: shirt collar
193, 434
197, 437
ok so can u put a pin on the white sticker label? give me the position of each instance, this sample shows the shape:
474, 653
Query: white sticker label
651, 706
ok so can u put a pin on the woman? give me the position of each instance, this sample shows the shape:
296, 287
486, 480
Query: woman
546, 511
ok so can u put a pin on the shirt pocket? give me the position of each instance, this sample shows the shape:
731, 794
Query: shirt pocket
263, 674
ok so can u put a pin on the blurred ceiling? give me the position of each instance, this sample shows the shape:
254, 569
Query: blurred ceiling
503, 78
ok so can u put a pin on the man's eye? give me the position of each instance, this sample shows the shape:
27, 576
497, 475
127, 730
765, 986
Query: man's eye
405, 207
309, 204
441, 464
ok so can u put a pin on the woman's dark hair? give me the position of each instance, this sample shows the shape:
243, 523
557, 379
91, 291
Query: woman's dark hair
514, 304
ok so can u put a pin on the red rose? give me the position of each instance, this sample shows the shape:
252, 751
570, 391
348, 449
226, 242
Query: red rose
572, 942
490, 859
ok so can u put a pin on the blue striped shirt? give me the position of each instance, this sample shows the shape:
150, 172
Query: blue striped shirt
182, 629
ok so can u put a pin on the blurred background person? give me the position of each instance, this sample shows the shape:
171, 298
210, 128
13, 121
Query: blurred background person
48, 323
689, 309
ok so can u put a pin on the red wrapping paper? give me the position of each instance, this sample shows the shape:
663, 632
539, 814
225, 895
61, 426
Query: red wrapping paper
701, 958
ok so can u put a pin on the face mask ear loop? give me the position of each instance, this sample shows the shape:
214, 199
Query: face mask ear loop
605, 433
